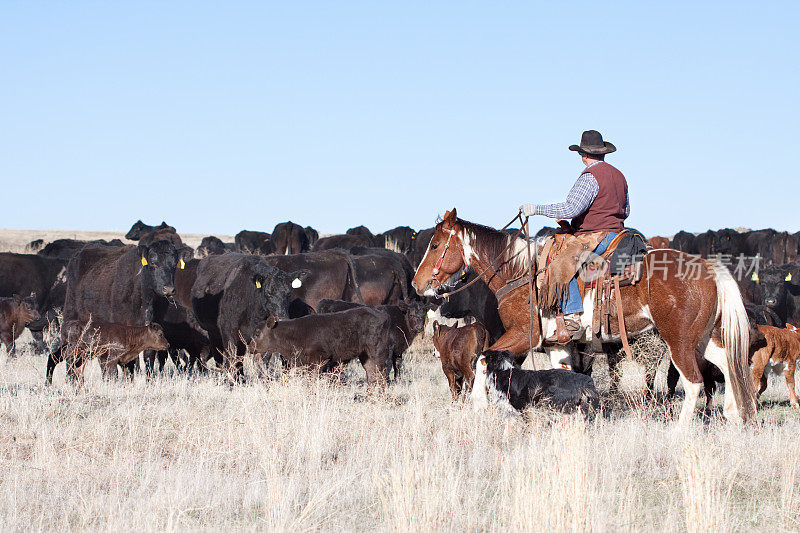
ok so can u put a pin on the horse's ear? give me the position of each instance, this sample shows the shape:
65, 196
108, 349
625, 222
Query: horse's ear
450, 216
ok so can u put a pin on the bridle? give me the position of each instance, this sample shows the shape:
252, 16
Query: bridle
438, 265
451, 232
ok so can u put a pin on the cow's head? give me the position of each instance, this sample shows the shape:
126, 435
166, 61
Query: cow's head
154, 338
26, 308
261, 339
441, 266
777, 283
159, 260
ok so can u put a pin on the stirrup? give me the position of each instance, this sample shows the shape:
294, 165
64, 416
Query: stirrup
567, 330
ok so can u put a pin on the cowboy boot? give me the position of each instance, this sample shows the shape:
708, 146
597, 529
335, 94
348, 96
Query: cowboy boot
568, 328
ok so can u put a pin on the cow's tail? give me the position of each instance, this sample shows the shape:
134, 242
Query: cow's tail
735, 339
353, 277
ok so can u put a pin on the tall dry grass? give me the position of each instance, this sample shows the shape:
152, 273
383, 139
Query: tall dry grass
305, 453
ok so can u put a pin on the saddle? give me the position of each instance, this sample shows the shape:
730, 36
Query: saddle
620, 265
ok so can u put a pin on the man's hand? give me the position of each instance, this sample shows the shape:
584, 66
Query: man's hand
527, 210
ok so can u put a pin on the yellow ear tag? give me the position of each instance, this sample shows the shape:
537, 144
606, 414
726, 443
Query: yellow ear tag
144, 262
788, 277
181, 264
258, 284
754, 277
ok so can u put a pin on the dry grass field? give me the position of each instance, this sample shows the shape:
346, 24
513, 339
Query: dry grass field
302, 452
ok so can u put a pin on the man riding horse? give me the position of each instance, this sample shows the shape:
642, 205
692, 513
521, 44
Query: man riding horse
598, 206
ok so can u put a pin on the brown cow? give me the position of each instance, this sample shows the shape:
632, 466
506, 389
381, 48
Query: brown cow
113, 344
457, 348
780, 353
658, 242
15, 313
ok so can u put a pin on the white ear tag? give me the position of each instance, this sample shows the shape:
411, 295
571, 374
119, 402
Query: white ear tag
296, 283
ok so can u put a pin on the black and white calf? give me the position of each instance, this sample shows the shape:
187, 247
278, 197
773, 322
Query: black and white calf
512, 388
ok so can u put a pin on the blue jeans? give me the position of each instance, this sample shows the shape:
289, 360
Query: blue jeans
571, 301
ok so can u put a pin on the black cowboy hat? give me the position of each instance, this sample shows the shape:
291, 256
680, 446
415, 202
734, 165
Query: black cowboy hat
592, 143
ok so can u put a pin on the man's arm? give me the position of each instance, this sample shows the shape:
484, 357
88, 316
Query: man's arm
627, 204
579, 199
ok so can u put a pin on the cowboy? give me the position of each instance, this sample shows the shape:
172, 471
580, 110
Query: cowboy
597, 204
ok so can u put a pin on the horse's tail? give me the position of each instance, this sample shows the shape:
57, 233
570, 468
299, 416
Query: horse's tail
735, 339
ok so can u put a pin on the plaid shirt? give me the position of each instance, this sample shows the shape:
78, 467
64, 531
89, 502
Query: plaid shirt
579, 199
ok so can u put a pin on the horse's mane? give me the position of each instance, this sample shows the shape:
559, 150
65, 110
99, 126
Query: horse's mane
490, 243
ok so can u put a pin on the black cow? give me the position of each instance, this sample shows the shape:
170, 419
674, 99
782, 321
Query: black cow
123, 285
345, 242
66, 248
421, 243
361, 230
685, 242
34, 246
407, 321
400, 239
213, 246
254, 242
290, 238
328, 340
139, 228
43, 276
383, 276
780, 291
312, 234
476, 301
331, 275
181, 327
234, 294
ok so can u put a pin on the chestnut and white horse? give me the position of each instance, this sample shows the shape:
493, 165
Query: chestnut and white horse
698, 316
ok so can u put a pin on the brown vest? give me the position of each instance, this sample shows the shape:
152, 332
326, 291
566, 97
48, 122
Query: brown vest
607, 212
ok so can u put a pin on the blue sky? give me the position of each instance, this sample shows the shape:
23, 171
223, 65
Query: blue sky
218, 116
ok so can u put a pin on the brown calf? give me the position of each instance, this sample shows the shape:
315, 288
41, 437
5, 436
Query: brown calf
457, 348
658, 242
112, 344
15, 313
782, 350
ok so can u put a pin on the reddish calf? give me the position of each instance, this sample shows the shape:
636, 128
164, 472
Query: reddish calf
457, 348
112, 344
15, 313
780, 353
658, 243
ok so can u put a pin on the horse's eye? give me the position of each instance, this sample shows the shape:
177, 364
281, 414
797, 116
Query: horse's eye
434, 246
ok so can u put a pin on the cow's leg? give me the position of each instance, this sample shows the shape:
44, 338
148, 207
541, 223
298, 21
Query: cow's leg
789, 375
149, 357
375, 372
110, 368
451, 382
53, 358
161, 355
469, 379
673, 376
760, 359
39, 346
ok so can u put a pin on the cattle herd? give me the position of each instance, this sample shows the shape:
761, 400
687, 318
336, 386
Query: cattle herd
317, 302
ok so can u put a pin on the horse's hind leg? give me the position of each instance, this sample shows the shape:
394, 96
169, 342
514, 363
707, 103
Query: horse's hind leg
715, 353
682, 355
